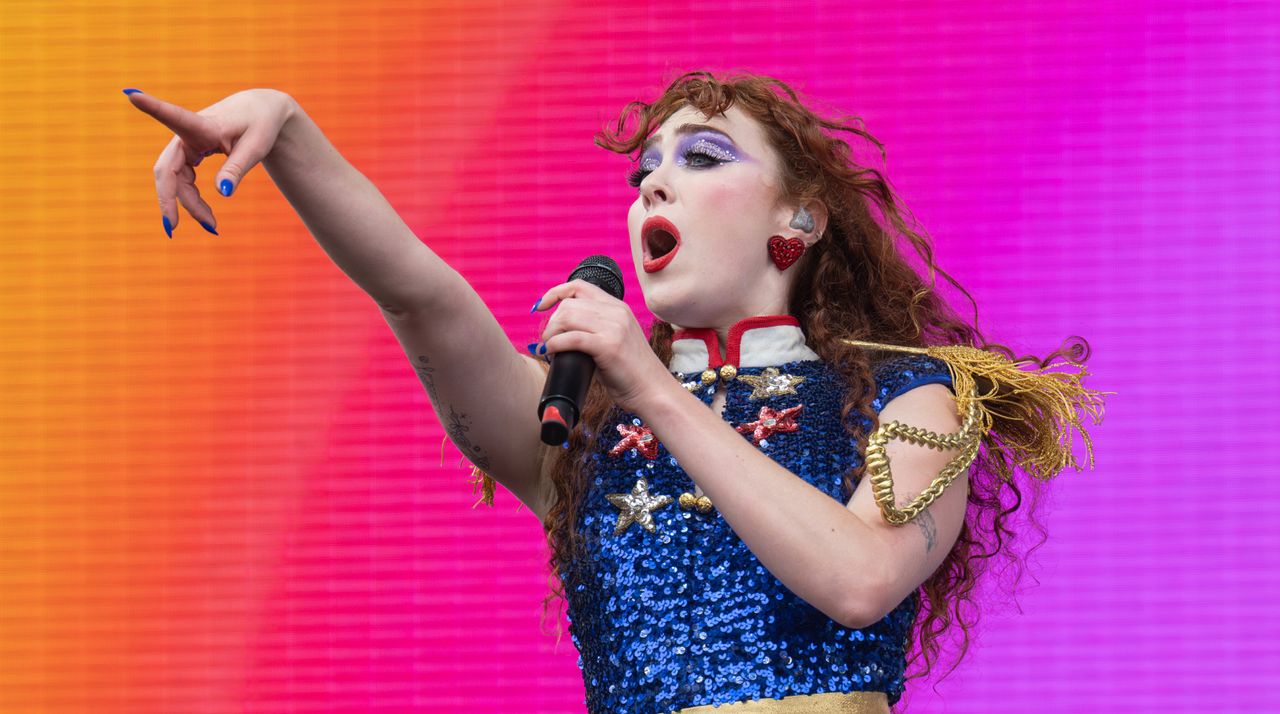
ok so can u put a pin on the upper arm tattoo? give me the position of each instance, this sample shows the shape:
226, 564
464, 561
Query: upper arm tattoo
924, 521
426, 373
456, 425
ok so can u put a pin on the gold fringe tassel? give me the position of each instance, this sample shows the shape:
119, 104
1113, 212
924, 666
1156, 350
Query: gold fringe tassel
482, 482
1026, 415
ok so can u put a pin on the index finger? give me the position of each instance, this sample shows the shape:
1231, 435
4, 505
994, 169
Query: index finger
573, 288
185, 123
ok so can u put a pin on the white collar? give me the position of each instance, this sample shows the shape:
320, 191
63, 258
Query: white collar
762, 341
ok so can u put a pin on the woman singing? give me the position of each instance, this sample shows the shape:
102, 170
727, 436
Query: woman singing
788, 486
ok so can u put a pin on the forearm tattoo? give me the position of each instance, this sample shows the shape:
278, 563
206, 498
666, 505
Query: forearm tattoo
455, 425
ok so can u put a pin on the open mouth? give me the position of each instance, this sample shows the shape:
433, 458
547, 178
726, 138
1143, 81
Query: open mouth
661, 240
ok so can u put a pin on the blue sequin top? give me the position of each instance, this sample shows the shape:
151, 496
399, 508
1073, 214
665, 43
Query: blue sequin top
685, 614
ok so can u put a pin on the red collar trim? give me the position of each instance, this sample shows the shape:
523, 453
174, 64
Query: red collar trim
733, 340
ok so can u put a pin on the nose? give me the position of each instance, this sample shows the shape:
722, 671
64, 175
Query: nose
655, 189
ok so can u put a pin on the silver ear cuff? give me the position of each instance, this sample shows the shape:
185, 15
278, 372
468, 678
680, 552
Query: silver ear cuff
803, 220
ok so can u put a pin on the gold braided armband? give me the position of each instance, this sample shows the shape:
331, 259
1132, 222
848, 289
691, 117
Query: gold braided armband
968, 439
1025, 416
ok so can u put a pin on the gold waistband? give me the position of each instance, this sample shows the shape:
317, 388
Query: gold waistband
825, 703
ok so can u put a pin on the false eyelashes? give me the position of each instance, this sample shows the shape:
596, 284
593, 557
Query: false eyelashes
716, 155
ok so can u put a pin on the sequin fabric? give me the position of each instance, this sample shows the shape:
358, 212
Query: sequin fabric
686, 615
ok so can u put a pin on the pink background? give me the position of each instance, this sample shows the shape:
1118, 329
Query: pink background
223, 488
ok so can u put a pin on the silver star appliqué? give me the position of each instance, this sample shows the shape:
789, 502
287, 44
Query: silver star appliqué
637, 507
771, 383
691, 386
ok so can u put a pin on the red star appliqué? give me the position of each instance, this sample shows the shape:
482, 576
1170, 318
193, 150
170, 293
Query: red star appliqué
771, 421
636, 437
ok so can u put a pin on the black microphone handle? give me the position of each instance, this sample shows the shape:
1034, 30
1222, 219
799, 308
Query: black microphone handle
571, 372
566, 388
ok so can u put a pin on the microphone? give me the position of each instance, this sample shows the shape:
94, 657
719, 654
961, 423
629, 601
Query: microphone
571, 372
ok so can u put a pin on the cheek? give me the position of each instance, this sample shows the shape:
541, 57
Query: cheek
740, 220
635, 218
730, 199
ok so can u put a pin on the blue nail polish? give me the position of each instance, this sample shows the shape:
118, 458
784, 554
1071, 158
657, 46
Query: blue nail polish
533, 348
542, 348
535, 306
225, 187
168, 227
208, 227
133, 91
566, 444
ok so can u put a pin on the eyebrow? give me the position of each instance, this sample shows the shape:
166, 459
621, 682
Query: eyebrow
684, 129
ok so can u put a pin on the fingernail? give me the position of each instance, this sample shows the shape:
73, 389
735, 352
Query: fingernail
225, 187
133, 91
168, 227
535, 306
533, 348
208, 227
542, 348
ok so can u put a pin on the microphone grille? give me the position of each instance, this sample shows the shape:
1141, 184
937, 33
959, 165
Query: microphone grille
602, 272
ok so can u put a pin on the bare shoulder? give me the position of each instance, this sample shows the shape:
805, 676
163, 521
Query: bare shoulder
931, 406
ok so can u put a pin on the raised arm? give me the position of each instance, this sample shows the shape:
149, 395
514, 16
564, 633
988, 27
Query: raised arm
484, 392
353, 222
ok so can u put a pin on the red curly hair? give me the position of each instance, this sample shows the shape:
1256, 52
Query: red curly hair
855, 283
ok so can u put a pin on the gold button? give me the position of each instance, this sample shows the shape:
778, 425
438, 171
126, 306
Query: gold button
708, 376
728, 372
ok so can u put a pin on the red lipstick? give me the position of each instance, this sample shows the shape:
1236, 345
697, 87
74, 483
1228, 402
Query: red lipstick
652, 239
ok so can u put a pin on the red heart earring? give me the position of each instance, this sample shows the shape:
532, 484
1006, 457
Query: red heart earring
785, 251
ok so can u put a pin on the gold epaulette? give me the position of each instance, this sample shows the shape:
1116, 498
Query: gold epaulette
1027, 415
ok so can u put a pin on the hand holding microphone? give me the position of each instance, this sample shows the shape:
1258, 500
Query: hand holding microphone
571, 371
593, 332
